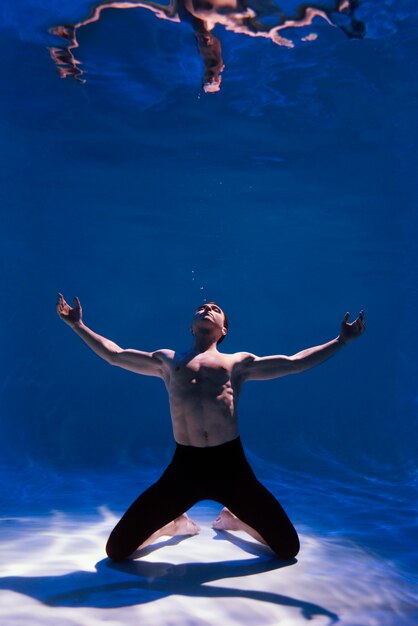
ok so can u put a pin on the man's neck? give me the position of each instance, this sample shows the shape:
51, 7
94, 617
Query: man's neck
204, 344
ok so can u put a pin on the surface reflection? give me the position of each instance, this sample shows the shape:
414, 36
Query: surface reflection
255, 18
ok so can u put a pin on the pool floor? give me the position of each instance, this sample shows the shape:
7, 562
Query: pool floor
53, 570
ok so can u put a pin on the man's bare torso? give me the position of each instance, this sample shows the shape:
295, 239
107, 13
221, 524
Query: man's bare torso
203, 390
204, 384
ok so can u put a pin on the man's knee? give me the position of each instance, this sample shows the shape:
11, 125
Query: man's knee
287, 550
115, 551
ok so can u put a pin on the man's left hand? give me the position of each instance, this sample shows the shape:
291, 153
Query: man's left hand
350, 331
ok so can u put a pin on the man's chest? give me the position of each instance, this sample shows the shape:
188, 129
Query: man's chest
201, 369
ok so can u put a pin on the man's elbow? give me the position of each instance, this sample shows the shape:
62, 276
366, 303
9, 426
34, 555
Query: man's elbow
296, 365
112, 357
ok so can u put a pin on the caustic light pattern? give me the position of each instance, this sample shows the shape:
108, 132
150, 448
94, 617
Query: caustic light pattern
53, 571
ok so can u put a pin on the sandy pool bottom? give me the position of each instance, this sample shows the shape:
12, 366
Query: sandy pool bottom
53, 571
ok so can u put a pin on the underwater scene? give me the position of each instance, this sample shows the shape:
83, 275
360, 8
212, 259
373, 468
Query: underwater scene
175, 175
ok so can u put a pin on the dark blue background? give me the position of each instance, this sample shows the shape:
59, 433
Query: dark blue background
289, 197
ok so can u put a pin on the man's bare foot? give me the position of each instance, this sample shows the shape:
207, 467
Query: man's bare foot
183, 525
226, 521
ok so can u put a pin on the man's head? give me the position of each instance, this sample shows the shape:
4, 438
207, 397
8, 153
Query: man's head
209, 318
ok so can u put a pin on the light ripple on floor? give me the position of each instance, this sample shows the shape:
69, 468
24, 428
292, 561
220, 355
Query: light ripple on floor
53, 571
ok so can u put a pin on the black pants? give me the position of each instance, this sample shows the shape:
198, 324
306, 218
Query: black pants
220, 473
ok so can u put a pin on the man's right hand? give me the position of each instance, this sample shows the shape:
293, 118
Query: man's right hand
69, 315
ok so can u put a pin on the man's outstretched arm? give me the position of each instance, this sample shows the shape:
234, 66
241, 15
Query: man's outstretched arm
268, 367
147, 363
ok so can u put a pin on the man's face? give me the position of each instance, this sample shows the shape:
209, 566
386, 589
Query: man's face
207, 316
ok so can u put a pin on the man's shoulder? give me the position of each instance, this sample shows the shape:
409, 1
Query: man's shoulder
240, 357
165, 354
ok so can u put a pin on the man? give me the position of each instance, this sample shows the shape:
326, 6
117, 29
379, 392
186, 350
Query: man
209, 463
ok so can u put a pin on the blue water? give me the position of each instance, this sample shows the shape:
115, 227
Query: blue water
288, 197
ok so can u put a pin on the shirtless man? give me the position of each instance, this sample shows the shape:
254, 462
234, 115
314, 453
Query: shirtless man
209, 463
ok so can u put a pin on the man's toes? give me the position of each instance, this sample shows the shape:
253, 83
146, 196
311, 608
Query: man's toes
228, 520
193, 528
217, 523
186, 526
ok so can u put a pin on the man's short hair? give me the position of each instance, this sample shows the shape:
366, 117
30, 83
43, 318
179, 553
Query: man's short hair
225, 319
